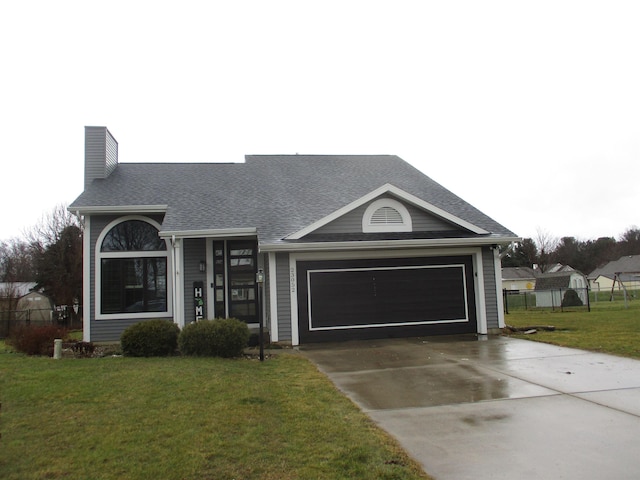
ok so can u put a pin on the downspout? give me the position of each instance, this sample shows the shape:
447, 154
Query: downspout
174, 271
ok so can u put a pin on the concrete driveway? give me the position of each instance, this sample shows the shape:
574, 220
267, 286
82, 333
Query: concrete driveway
495, 407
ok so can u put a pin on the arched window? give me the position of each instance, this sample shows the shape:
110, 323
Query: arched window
131, 276
386, 215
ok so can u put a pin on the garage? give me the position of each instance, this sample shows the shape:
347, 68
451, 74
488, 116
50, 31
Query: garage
388, 297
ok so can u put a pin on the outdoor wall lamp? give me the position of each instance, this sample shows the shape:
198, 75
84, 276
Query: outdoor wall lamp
203, 265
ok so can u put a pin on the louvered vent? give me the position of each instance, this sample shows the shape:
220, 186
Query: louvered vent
386, 216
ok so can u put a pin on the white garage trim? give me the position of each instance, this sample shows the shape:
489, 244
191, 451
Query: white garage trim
273, 297
396, 324
475, 253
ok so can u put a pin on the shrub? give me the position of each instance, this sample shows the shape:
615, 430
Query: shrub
221, 337
571, 299
151, 338
36, 340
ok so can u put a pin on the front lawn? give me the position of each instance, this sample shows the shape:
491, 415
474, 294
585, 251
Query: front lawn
185, 418
608, 328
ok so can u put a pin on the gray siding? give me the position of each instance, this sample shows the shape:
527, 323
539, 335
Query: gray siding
491, 301
283, 297
351, 222
100, 153
104, 330
194, 251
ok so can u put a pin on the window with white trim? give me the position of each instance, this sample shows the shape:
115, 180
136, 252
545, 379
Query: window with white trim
386, 215
131, 277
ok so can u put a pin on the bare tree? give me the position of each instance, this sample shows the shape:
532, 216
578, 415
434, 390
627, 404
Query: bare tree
56, 243
50, 227
546, 244
17, 263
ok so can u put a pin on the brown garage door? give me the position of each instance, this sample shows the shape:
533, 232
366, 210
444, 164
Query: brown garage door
341, 300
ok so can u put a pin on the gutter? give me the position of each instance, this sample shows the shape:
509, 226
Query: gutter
376, 244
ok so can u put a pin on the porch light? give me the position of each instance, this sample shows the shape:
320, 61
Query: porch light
203, 266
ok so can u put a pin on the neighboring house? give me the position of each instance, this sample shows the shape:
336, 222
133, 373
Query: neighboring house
35, 306
518, 278
351, 246
551, 288
627, 268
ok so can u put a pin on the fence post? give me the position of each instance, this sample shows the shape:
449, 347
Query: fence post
506, 301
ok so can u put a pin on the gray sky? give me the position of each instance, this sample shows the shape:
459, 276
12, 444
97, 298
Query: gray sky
529, 111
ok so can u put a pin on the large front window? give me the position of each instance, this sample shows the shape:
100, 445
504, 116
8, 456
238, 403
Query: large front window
133, 270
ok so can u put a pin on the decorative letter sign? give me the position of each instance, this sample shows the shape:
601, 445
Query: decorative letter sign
198, 300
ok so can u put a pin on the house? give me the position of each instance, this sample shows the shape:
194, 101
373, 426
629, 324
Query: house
551, 288
627, 268
518, 278
349, 246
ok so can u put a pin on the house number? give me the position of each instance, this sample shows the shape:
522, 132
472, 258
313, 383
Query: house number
292, 279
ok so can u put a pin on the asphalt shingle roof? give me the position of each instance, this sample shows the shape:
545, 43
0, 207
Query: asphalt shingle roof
626, 264
277, 194
518, 273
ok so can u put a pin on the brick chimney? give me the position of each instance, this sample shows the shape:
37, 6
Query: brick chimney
100, 154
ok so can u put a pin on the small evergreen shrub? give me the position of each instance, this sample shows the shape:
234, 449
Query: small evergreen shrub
151, 338
571, 299
221, 337
36, 340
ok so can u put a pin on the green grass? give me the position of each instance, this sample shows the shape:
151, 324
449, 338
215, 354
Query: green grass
185, 418
608, 328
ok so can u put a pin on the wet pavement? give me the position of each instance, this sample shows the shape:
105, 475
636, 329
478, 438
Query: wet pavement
495, 407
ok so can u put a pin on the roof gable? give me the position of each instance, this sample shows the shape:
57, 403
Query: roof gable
439, 214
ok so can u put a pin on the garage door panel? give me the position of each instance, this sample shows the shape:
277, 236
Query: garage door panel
388, 297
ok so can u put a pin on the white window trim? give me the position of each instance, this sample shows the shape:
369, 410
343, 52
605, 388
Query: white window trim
405, 226
99, 255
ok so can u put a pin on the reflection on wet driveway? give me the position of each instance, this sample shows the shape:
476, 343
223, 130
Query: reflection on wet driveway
478, 408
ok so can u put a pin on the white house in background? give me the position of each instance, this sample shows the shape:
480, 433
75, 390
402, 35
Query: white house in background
350, 247
519, 278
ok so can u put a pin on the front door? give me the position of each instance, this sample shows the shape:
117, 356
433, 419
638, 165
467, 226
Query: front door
235, 290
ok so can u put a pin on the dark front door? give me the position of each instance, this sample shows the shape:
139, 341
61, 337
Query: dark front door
235, 279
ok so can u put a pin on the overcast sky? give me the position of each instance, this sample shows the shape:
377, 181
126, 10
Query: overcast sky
528, 110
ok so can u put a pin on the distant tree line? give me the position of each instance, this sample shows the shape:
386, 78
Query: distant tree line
50, 254
583, 255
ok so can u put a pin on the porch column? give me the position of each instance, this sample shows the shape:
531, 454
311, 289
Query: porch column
177, 289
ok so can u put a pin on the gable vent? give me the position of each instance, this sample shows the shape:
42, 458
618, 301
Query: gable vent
386, 216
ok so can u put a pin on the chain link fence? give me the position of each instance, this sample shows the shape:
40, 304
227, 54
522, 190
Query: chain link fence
561, 299
64, 316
